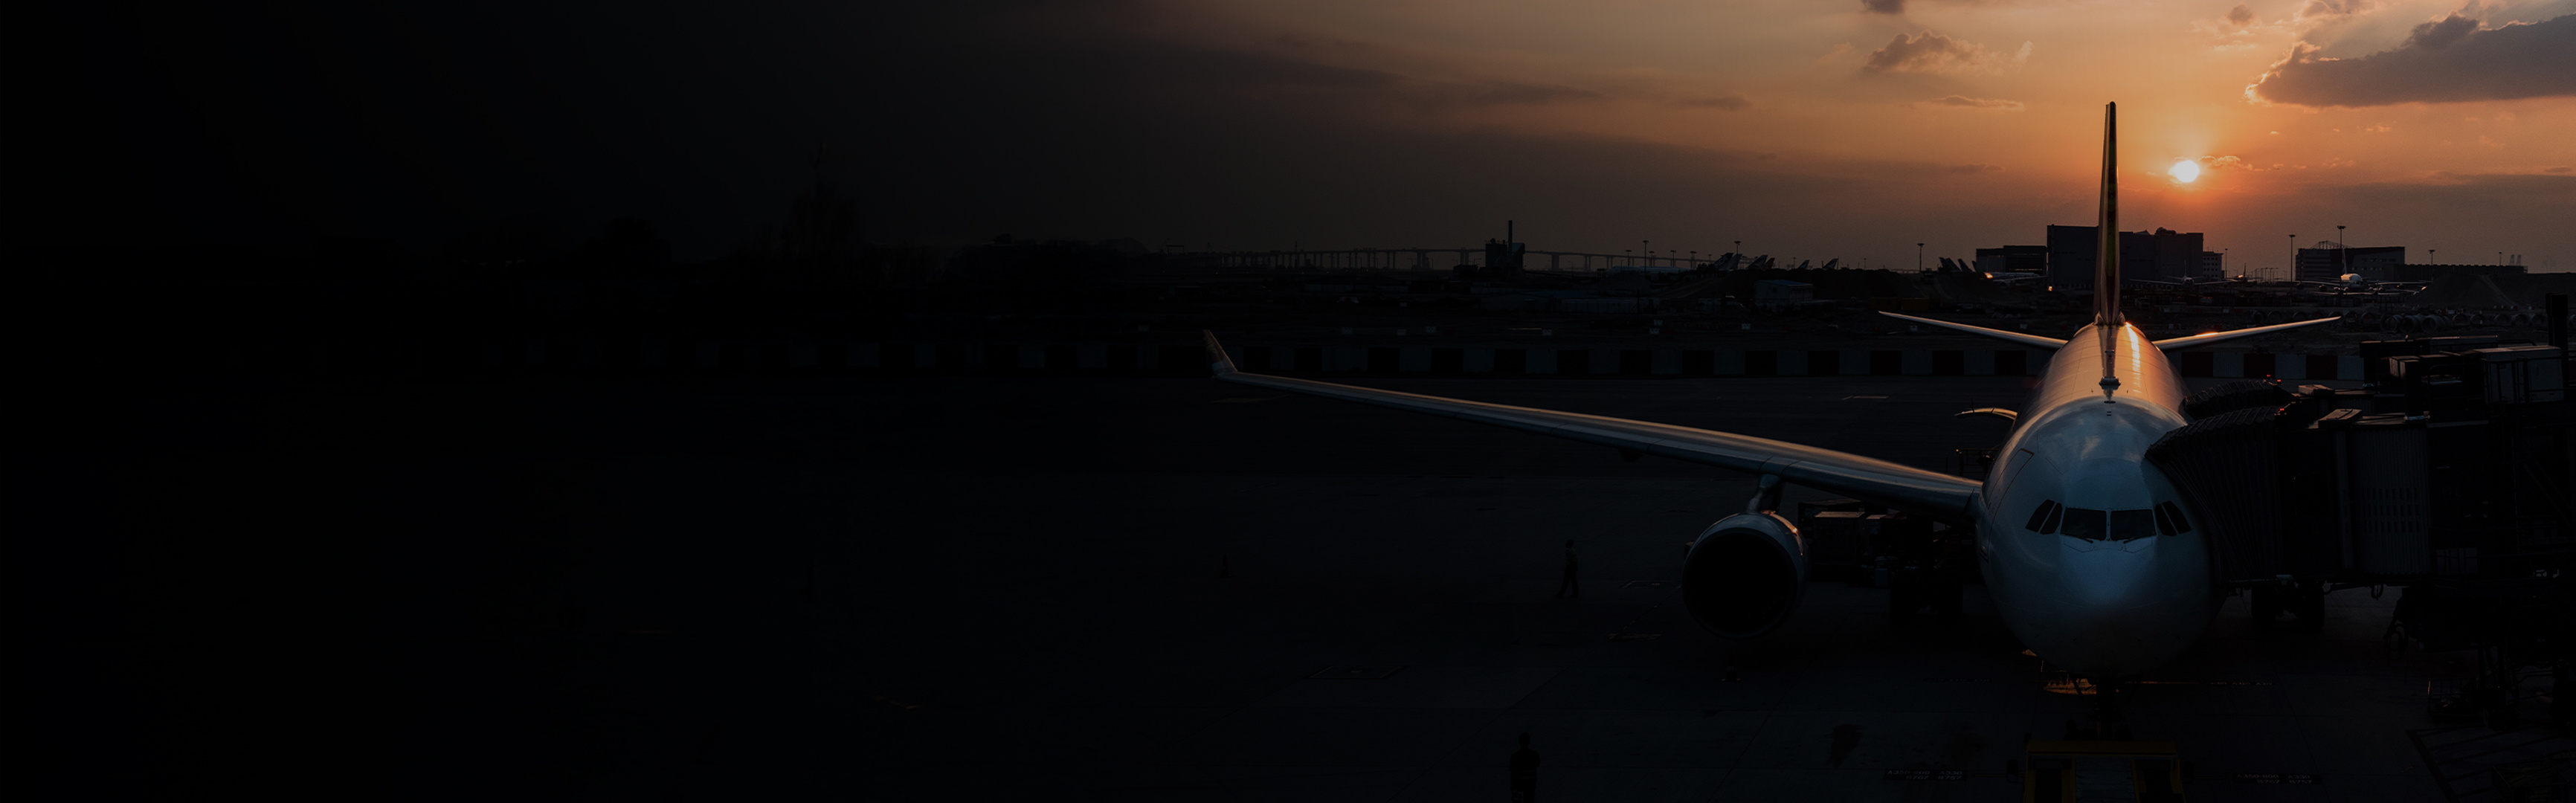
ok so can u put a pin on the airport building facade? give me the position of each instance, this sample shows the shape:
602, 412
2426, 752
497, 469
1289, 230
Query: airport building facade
2330, 260
2159, 255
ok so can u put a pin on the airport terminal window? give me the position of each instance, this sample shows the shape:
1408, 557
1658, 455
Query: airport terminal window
2086, 524
2039, 516
2170, 515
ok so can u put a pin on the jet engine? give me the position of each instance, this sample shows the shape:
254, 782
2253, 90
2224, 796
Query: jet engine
1745, 574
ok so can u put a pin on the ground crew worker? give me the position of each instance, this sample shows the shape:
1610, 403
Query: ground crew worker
1525, 773
1568, 583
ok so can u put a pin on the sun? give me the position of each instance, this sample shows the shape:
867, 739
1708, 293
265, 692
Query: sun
2185, 170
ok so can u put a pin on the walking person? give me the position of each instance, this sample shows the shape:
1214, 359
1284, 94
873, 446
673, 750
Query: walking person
1568, 583
1525, 773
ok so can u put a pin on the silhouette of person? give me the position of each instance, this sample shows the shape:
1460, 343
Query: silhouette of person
1525, 773
1568, 583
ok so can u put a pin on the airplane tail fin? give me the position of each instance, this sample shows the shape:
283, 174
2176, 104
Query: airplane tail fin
2106, 259
1219, 363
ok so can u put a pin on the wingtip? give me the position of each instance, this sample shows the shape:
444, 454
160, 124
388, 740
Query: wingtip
1218, 362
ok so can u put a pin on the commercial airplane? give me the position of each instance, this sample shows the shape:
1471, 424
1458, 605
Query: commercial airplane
2092, 558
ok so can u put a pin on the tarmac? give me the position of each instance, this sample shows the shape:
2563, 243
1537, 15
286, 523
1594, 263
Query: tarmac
1080, 588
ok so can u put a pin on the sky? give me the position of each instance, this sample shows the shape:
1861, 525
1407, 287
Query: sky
1806, 130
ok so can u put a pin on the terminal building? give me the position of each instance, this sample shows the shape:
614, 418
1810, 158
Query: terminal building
2160, 255
2013, 259
2331, 260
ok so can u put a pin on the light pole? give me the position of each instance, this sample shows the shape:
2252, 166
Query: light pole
2343, 253
1918, 257
2294, 256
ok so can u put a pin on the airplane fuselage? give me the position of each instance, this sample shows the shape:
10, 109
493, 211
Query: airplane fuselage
2092, 558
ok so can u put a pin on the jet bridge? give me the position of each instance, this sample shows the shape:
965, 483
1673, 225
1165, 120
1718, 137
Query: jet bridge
2449, 476
2457, 464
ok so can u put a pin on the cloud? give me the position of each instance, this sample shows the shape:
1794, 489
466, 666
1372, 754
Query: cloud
1977, 103
1508, 93
1729, 103
2441, 33
2440, 63
2240, 16
2321, 9
2216, 163
1979, 167
1934, 53
1882, 6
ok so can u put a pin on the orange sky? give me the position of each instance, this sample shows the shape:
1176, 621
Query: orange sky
1966, 124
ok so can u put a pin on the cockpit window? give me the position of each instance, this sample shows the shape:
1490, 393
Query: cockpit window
2169, 518
2116, 525
2130, 525
2039, 516
2086, 524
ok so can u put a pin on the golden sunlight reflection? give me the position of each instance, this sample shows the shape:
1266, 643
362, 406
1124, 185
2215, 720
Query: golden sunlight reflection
2185, 170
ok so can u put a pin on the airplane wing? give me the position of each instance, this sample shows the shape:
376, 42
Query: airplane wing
2232, 334
1939, 496
2023, 338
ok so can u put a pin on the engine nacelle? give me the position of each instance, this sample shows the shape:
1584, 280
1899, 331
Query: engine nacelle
1745, 575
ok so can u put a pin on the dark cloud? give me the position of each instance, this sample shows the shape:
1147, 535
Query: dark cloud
2443, 62
1976, 103
1935, 53
1502, 93
2240, 16
2441, 33
1882, 6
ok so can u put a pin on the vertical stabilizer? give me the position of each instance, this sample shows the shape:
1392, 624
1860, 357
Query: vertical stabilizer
2106, 259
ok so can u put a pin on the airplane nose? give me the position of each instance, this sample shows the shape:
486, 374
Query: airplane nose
2106, 580
2113, 614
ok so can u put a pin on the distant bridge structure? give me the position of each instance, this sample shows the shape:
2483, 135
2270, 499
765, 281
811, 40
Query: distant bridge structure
1423, 259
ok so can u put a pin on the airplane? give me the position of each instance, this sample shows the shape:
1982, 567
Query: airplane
2092, 557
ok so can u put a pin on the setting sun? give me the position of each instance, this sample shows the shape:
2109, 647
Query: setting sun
2185, 170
